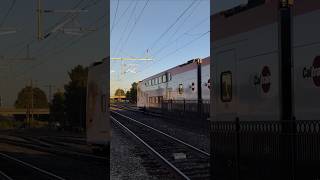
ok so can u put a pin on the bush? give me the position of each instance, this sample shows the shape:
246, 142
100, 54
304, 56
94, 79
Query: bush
10, 124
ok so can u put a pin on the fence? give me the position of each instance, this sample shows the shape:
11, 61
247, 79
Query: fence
265, 150
186, 109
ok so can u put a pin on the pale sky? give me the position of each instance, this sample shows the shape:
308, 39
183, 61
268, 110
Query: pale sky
187, 39
133, 36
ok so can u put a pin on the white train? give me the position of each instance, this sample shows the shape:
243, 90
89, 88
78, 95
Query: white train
179, 83
266, 73
98, 113
248, 45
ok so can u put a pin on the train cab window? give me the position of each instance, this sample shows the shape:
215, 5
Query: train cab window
226, 86
180, 89
149, 82
169, 77
160, 80
164, 78
156, 81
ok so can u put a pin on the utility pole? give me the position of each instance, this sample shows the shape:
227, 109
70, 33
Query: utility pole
122, 66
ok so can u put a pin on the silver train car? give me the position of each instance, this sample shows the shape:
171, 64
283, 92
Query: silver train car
266, 74
246, 67
186, 82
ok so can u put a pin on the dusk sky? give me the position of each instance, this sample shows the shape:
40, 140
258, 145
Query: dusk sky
55, 55
132, 36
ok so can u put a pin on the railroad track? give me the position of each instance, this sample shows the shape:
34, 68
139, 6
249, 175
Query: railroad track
36, 144
15, 169
183, 160
127, 108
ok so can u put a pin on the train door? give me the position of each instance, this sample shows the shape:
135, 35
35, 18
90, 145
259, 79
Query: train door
225, 72
148, 100
160, 101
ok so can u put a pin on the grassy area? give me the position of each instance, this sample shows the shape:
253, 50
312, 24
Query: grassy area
12, 124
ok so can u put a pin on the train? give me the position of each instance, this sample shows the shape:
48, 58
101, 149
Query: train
266, 73
187, 82
98, 133
248, 71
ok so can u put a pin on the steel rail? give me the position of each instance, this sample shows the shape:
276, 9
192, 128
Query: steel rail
167, 135
172, 167
53, 150
3, 176
44, 172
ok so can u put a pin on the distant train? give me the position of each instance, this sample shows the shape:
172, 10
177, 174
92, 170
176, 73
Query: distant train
97, 118
187, 82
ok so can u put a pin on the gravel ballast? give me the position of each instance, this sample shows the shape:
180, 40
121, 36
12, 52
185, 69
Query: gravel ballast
199, 138
124, 163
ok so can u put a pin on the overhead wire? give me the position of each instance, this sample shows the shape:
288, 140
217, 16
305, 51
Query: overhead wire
135, 23
182, 35
63, 48
115, 16
89, 5
8, 12
126, 27
124, 12
172, 25
185, 20
26, 42
74, 41
175, 51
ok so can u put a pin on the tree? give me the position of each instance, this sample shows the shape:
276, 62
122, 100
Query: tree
75, 96
29, 94
132, 94
57, 108
119, 92
127, 94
